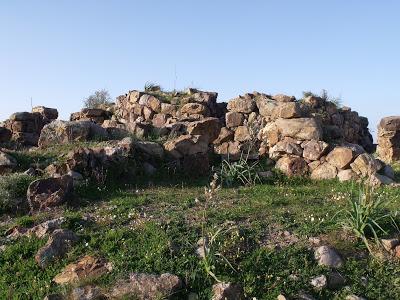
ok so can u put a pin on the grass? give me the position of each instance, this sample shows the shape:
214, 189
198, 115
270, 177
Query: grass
140, 226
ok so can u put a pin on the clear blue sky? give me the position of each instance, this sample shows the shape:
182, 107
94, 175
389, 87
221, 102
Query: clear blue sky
58, 52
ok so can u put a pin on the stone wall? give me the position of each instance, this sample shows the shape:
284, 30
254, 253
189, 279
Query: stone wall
389, 139
25, 127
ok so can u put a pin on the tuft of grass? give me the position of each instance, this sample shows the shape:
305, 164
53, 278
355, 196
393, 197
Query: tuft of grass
241, 172
13, 189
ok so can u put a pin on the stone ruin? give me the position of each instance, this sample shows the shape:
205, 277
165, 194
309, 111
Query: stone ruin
389, 139
25, 127
310, 136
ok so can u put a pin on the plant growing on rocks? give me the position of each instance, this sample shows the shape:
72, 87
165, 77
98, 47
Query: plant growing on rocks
365, 215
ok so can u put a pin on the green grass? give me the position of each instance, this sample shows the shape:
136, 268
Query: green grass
143, 226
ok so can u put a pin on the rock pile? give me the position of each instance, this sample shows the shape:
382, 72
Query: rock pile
389, 139
25, 127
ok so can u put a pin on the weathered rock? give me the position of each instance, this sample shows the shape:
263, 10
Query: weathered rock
195, 109
327, 256
292, 166
88, 292
242, 134
313, 150
227, 291
49, 192
379, 180
229, 150
225, 135
87, 268
5, 134
366, 165
341, 157
389, 139
7, 163
208, 128
273, 109
151, 102
286, 146
45, 228
390, 244
346, 175
242, 105
146, 286
57, 246
319, 282
151, 149
283, 98
234, 119
324, 171
61, 132
46, 112
300, 128
388, 171
185, 145
335, 280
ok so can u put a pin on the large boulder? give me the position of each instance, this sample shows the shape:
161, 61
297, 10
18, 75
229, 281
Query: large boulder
313, 150
208, 128
366, 165
49, 192
185, 145
234, 119
324, 171
341, 157
146, 286
149, 149
7, 163
242, 105
273, 109
195, 109
62, 132
300, 128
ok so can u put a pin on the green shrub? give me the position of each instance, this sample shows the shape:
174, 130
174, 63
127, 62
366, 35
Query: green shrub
13, 191
365, 217
239, 172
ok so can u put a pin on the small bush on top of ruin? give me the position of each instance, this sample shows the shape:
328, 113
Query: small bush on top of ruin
98, 99
152, 87
324, 95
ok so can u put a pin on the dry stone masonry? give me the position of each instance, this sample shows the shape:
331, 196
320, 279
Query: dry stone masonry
25, 127
307, 137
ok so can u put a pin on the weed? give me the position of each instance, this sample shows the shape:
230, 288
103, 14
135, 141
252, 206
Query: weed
239, 172
364, 216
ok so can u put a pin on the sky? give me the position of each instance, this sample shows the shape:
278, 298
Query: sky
56, 53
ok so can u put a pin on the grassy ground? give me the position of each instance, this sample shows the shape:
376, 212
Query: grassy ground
153, 226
